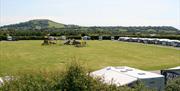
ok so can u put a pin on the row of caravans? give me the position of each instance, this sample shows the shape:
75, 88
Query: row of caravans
166, 42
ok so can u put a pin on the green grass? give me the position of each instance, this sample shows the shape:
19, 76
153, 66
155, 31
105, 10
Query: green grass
54, 24
30, 55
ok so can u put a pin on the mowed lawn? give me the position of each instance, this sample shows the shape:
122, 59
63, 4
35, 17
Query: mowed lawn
30, 55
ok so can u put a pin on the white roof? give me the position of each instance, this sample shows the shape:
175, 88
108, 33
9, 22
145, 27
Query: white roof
112, 77
135, 38
122, 75
178, 67
140, 74
124, 38
175, 41
85, 36
163, 39
9, 36
150, 39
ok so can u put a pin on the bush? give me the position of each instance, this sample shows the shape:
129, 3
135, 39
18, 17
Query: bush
139, 86
3, 37
35, 81
76, 79
173, 85
30, 37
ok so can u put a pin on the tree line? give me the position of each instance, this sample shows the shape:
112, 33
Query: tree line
77, 31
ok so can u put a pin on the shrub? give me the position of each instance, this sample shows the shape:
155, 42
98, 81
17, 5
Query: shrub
173, 85
35, 81
3, 37
76, 79
139, 86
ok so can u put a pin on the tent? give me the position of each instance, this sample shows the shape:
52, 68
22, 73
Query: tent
125, 75
86, 37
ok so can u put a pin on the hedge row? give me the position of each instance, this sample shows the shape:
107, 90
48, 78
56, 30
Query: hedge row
2, 37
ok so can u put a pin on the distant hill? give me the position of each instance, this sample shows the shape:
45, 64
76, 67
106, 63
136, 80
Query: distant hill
35, 24
39, 27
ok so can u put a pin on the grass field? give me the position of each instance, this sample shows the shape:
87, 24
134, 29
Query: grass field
30, 55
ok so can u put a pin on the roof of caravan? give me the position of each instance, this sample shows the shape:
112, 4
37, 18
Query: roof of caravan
178, 67
9, 36
111, 76
175, 70
123, 75
176, 41
135, 72
165, 40
124, 37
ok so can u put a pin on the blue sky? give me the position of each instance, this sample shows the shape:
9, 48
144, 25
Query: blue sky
93, 12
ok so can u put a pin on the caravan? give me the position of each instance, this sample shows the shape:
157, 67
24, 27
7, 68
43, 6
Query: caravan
124, 75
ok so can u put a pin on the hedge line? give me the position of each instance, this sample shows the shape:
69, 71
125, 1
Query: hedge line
2, 37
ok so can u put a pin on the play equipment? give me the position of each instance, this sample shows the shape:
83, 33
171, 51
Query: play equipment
76, 43
81, 43
49, 40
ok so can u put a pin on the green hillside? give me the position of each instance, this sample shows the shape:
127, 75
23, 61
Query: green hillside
52, 24
35, 24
